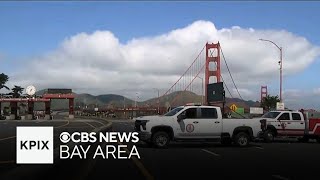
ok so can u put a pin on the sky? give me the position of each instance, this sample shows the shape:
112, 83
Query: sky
129, 47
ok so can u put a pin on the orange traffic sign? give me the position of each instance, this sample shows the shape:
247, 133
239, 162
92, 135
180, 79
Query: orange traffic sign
233, 107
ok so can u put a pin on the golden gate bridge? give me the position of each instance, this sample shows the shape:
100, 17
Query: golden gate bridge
205, 67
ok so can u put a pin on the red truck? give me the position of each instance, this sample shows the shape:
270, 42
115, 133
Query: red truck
292, 124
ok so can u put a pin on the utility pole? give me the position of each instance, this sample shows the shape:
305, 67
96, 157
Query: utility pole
158, 101
280, 63
136, 99
124, 107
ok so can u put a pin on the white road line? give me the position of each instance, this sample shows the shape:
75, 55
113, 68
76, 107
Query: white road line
96, 122
257, 147
279, 177
210, 152
90, 125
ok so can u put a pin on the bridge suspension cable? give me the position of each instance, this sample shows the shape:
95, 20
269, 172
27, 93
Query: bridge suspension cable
186, 87
231, 75
186, 82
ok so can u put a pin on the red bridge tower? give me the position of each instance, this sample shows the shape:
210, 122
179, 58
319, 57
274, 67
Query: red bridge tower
214, 59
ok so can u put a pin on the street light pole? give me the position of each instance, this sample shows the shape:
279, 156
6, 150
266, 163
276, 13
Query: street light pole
158, 100
280, 63
124, 107
135, 103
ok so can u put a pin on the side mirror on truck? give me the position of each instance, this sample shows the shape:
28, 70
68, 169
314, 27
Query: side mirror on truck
263, 124
181, 117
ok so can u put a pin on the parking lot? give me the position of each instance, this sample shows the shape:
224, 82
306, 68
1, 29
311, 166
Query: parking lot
284, 159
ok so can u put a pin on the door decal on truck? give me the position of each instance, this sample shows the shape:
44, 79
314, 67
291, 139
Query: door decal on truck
283, 125
190, 128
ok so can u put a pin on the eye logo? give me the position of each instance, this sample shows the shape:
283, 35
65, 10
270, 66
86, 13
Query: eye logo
65, 137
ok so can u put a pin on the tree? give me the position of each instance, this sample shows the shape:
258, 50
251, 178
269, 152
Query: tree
269, 102
3, 80
16, 91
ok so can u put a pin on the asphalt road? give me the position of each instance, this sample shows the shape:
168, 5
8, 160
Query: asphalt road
281, 160
285, 159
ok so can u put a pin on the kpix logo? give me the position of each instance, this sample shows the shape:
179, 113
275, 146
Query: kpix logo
34, 145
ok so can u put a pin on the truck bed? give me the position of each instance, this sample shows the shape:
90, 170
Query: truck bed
228, 125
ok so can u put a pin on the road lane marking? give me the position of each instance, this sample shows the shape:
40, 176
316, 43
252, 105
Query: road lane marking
257, 147
63, 124
6, 138
99, 122
210, 152
90, 125
139, 164
279, 177
78, 127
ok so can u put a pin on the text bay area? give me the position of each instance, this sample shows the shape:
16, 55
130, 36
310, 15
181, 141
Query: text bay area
108, 152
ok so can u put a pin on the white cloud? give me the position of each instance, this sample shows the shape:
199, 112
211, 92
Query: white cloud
293, 93
316, 91
297, 98
98, 63
245, 93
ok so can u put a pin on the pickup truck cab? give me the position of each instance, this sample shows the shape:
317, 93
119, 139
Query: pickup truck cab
291, 124
195, 123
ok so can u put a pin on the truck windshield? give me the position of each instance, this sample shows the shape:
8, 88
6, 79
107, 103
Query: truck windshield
271, 115
173, 111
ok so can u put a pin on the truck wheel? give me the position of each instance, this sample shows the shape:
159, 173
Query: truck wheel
242, 139
269, 136
160, 139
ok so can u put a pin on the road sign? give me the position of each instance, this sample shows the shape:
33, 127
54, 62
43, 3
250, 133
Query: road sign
256, 110
233, 107
280, 106
240, 111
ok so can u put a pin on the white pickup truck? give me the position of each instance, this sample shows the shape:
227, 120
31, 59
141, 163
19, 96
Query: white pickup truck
291, 124
195, 123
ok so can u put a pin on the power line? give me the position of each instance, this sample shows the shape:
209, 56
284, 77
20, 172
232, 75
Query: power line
231, 74
226, 86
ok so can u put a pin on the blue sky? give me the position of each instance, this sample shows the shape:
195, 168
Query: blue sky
26, 25
29, 29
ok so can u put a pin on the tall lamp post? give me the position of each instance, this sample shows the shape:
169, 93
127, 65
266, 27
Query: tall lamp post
280, 63
201, 89
158, 100
137, 97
